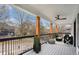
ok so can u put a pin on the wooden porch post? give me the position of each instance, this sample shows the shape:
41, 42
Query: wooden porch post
37, 44
51, 28
38, 26
57, 28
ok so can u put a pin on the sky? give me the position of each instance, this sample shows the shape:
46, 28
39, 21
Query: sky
13, 17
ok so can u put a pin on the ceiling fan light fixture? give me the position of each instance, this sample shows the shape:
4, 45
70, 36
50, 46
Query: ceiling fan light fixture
59, 18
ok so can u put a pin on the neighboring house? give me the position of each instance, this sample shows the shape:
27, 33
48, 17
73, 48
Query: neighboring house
6, 29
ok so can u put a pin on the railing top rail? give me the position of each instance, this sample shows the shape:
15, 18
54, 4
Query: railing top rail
15, 38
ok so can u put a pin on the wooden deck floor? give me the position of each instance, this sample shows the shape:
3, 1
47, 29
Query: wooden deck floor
55, 49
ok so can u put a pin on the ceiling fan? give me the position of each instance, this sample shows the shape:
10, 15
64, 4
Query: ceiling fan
58, 18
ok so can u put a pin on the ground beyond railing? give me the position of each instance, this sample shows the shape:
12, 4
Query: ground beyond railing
20, 45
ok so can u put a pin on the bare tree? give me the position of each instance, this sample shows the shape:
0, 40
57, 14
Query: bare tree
20, 17
25, 25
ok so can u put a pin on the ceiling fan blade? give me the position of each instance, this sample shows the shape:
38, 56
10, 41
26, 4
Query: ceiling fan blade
62, 19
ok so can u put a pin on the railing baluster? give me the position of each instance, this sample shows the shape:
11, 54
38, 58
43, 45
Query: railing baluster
8, 48
21, 45
15, 46
2, 48
11, 47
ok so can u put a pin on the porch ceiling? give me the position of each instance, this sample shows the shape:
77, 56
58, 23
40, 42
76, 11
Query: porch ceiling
51, 10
